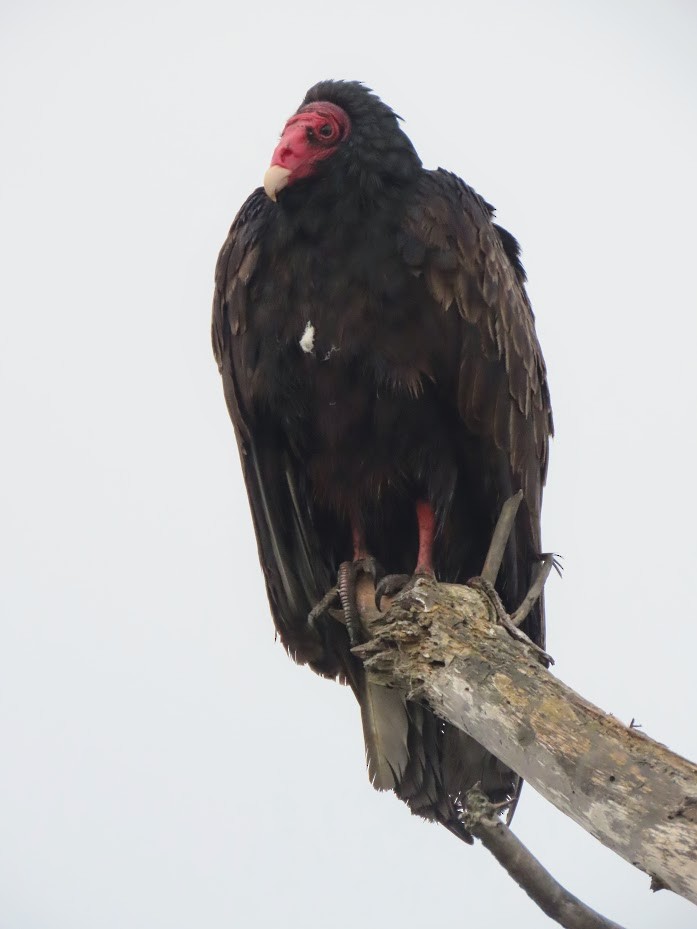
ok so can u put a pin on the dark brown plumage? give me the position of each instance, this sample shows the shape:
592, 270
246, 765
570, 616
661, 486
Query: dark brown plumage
377, 349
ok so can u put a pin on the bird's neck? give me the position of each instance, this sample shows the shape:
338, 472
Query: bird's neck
341, 210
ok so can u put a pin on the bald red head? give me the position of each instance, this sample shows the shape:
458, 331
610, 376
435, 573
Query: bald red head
310, 136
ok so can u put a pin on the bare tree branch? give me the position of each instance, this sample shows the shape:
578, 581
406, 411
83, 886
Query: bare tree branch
442, 645
483, 822
499, 540
533, 595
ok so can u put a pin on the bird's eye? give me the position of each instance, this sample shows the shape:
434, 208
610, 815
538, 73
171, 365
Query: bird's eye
326, 131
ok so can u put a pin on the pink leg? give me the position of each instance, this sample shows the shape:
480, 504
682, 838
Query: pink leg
393, 583
426, 519
360, 550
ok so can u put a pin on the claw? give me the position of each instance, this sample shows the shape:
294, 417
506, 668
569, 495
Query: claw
390, 585
393, 584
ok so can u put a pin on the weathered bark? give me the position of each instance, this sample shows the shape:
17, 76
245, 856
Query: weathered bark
441, 644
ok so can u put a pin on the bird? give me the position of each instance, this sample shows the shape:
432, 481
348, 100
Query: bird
388, 393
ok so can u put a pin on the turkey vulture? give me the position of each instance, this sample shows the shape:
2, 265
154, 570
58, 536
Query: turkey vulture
388, 394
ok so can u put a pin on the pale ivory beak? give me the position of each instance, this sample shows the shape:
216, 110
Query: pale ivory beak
275, 180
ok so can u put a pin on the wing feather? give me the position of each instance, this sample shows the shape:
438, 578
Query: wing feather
472, 266
502, 393
296, 566
502, 384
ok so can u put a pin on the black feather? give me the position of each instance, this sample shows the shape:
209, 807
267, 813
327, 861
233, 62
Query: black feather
424, 379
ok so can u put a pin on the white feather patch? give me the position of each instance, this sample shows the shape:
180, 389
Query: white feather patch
307, 340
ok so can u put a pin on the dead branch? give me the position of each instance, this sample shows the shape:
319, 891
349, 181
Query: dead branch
442, 645
483, 822
499, 540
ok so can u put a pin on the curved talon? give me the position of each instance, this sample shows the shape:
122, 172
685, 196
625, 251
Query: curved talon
389, 585
397, 584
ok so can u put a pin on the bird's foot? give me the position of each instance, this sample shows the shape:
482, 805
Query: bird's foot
330, 599
392, 584
343, 595
349, 572
487, 588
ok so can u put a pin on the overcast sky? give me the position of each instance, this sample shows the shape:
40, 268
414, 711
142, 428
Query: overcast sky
164, 765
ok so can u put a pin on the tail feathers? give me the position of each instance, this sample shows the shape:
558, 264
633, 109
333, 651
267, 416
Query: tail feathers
466, 763
429, 764
385, 731
419, 787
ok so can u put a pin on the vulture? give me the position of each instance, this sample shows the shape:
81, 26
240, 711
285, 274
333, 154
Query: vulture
388, 393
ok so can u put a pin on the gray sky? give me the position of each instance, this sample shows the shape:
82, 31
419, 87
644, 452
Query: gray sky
164, 764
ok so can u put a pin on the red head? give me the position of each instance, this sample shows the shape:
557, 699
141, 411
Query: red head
309, 137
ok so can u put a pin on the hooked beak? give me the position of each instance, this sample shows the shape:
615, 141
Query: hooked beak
275, 179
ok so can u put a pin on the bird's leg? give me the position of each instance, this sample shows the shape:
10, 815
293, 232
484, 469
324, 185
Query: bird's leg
426, 519
394, 583
349, 571
344, 592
